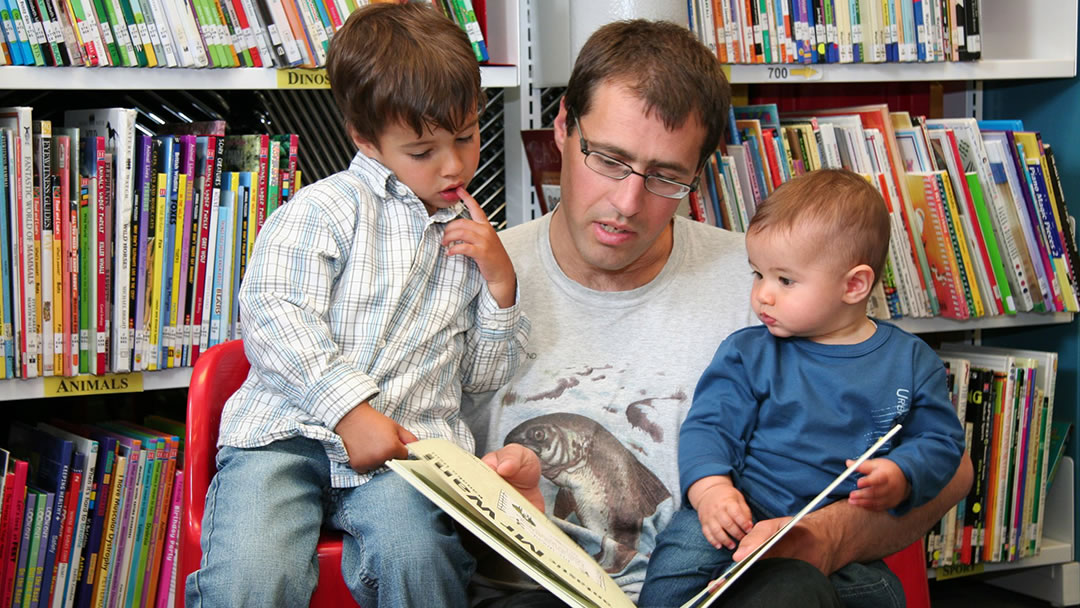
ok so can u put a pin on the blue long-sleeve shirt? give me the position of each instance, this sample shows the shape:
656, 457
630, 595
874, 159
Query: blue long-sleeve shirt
781, 415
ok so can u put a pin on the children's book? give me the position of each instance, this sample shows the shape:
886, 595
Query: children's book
486, 505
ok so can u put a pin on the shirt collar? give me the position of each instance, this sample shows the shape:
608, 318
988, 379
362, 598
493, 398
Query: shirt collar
386, 186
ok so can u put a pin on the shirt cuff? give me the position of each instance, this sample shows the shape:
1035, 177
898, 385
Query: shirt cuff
493, 322
337, 392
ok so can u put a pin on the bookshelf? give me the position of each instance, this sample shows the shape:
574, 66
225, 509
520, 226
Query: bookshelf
79, 78
500, 72
1028, 70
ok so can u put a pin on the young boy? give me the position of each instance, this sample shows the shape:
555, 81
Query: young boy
371, 302
784, 404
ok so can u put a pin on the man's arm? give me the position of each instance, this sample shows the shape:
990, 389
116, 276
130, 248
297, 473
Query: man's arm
841, 533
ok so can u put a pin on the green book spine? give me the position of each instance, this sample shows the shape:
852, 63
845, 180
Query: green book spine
107, 33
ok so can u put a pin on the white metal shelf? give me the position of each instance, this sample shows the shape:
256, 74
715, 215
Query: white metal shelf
113, 78
994, 69
938, 324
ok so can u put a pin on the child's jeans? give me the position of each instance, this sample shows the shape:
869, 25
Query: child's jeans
264, 511
683, 562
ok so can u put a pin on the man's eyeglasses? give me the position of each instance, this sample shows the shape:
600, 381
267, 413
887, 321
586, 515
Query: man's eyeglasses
617, 169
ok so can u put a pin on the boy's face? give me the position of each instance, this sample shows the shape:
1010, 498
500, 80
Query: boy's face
798, 288
433, 165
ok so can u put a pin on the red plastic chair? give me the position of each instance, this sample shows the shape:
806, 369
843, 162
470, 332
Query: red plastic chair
909, 565
217, 374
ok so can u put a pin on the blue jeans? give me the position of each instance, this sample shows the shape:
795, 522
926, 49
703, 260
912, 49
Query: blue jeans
683, 562
264, 511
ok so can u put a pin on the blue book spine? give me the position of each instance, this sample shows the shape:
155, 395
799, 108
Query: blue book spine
223, 251
920, 31
857, 32
244, 222
172, 154
6, 334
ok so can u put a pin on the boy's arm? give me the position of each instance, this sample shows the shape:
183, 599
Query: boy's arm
500, 331
841, 533
285, 300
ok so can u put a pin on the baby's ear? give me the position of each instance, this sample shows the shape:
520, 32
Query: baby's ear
859, 281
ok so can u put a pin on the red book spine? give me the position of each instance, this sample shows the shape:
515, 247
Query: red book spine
101, 313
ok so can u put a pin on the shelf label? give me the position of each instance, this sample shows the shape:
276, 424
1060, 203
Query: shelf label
93, 385
947, 572
302, 78
775, 73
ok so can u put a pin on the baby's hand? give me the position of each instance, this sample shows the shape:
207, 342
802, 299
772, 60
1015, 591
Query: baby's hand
477, 239
371, 438
883, 485
723, 513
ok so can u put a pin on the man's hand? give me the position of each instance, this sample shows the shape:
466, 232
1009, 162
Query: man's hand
371, 438
722, 510
477, 239
520, 467
883, 485
802, 542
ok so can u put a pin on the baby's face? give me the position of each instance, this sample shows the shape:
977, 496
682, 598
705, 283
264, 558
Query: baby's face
798, 286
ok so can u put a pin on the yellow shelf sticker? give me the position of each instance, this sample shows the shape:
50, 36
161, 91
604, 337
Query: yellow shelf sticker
947, 572
302, 78
93, 385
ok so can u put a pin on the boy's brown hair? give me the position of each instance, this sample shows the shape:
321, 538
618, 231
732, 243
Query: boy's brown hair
670, 70
405, 64
841, 211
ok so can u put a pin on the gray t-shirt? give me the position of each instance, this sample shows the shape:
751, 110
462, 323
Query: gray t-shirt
606, 381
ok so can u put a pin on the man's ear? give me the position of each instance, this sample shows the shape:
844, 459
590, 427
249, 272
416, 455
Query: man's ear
857, 284
560, 125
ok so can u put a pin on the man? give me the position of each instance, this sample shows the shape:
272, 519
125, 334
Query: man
628, 304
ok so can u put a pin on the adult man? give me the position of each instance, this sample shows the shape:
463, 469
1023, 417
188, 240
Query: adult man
628, 306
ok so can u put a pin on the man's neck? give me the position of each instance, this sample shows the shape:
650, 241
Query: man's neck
636, 274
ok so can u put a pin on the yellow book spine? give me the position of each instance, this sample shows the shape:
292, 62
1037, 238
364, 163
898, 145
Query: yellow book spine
59, 314
173, 330
155, 289
969, 270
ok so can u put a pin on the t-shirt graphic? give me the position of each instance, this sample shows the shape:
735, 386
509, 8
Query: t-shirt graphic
599, 480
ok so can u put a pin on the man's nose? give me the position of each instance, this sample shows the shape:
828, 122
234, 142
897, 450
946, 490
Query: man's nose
629, 195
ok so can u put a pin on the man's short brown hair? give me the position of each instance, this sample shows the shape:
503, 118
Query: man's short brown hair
672, 72
840, 209
405, 64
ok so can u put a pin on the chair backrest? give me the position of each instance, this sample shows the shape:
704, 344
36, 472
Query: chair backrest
909, 565
218, 373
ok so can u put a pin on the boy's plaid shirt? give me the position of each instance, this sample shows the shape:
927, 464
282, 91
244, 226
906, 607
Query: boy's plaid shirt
348, 297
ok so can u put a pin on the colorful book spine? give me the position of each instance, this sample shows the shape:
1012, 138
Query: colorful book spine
172, 536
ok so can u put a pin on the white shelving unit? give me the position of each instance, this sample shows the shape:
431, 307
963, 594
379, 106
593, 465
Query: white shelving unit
938, 324
502, 71
112, 78
503, 19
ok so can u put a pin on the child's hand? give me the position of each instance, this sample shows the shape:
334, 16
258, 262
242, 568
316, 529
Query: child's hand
883, 485
371, 438
723, 513
477, 239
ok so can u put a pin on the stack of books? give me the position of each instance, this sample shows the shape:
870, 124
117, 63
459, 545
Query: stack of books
122, 251
1005, 400
838, 31
90, 514
189, 33
980, 224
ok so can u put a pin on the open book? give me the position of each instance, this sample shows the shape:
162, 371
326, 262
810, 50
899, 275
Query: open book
486, 505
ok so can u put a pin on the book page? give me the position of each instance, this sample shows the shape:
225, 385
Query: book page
721, 583
486, 505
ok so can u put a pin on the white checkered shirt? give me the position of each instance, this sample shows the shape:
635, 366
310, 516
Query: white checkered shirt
348, 297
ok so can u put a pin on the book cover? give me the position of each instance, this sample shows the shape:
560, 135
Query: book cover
545, 166
928, 202
12, 540
52, 457
89, 449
